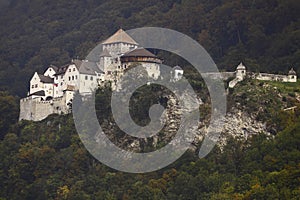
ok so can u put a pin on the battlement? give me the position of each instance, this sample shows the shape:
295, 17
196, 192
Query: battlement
36, 109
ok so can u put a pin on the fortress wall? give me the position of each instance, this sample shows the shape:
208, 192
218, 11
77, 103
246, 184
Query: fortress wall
224, 75
36, 110
27, 105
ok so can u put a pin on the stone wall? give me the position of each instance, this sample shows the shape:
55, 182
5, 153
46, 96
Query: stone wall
36, 110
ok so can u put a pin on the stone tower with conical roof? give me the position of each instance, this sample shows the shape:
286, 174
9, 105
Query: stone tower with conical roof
292, 76
241, 71
119, 43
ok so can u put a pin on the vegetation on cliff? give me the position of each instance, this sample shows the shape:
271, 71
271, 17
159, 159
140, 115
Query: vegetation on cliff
46, 160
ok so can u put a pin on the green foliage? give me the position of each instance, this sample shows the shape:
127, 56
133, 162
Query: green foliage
46, 160
9, 112
35, 35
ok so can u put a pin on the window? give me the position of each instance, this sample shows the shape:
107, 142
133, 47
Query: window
61, 76
69, 70
69, 78
32, 86
86, 77
36, 85
73, 69
76, 77
91, 78
108, 72
61, 83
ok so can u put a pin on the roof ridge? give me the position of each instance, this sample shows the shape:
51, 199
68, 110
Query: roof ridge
120, 36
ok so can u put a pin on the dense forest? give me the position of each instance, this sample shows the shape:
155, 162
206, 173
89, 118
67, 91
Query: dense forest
47, 160
34, 34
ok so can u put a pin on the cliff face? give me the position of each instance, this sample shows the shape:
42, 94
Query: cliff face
254, 107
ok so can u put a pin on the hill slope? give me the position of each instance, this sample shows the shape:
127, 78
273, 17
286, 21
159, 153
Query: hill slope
263, 34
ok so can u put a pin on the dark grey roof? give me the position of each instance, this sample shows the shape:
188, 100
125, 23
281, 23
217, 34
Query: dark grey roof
46, 79
177, 68
62, 69
54, 68
87, 67
105, 53
139, 52
38, 93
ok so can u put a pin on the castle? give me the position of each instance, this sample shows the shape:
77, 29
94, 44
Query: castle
241, 73
53, 91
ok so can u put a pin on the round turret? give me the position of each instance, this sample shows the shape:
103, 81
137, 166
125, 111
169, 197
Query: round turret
292, 76
292, 72
241, 66
240, 71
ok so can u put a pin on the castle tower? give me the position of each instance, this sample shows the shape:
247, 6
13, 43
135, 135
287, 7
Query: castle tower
241, 71
119, 43
292, 76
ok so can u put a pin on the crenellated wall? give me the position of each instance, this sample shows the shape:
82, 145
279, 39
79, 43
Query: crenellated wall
36, 110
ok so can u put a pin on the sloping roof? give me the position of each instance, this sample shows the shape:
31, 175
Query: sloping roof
62, 70
105, 53
54, 68
139, 52
46, 79
120, 36
38, 93
87, 67
292, 72
241, 66
177, 68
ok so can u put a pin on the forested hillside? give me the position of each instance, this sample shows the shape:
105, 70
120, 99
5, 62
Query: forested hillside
47, 160
34, 34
